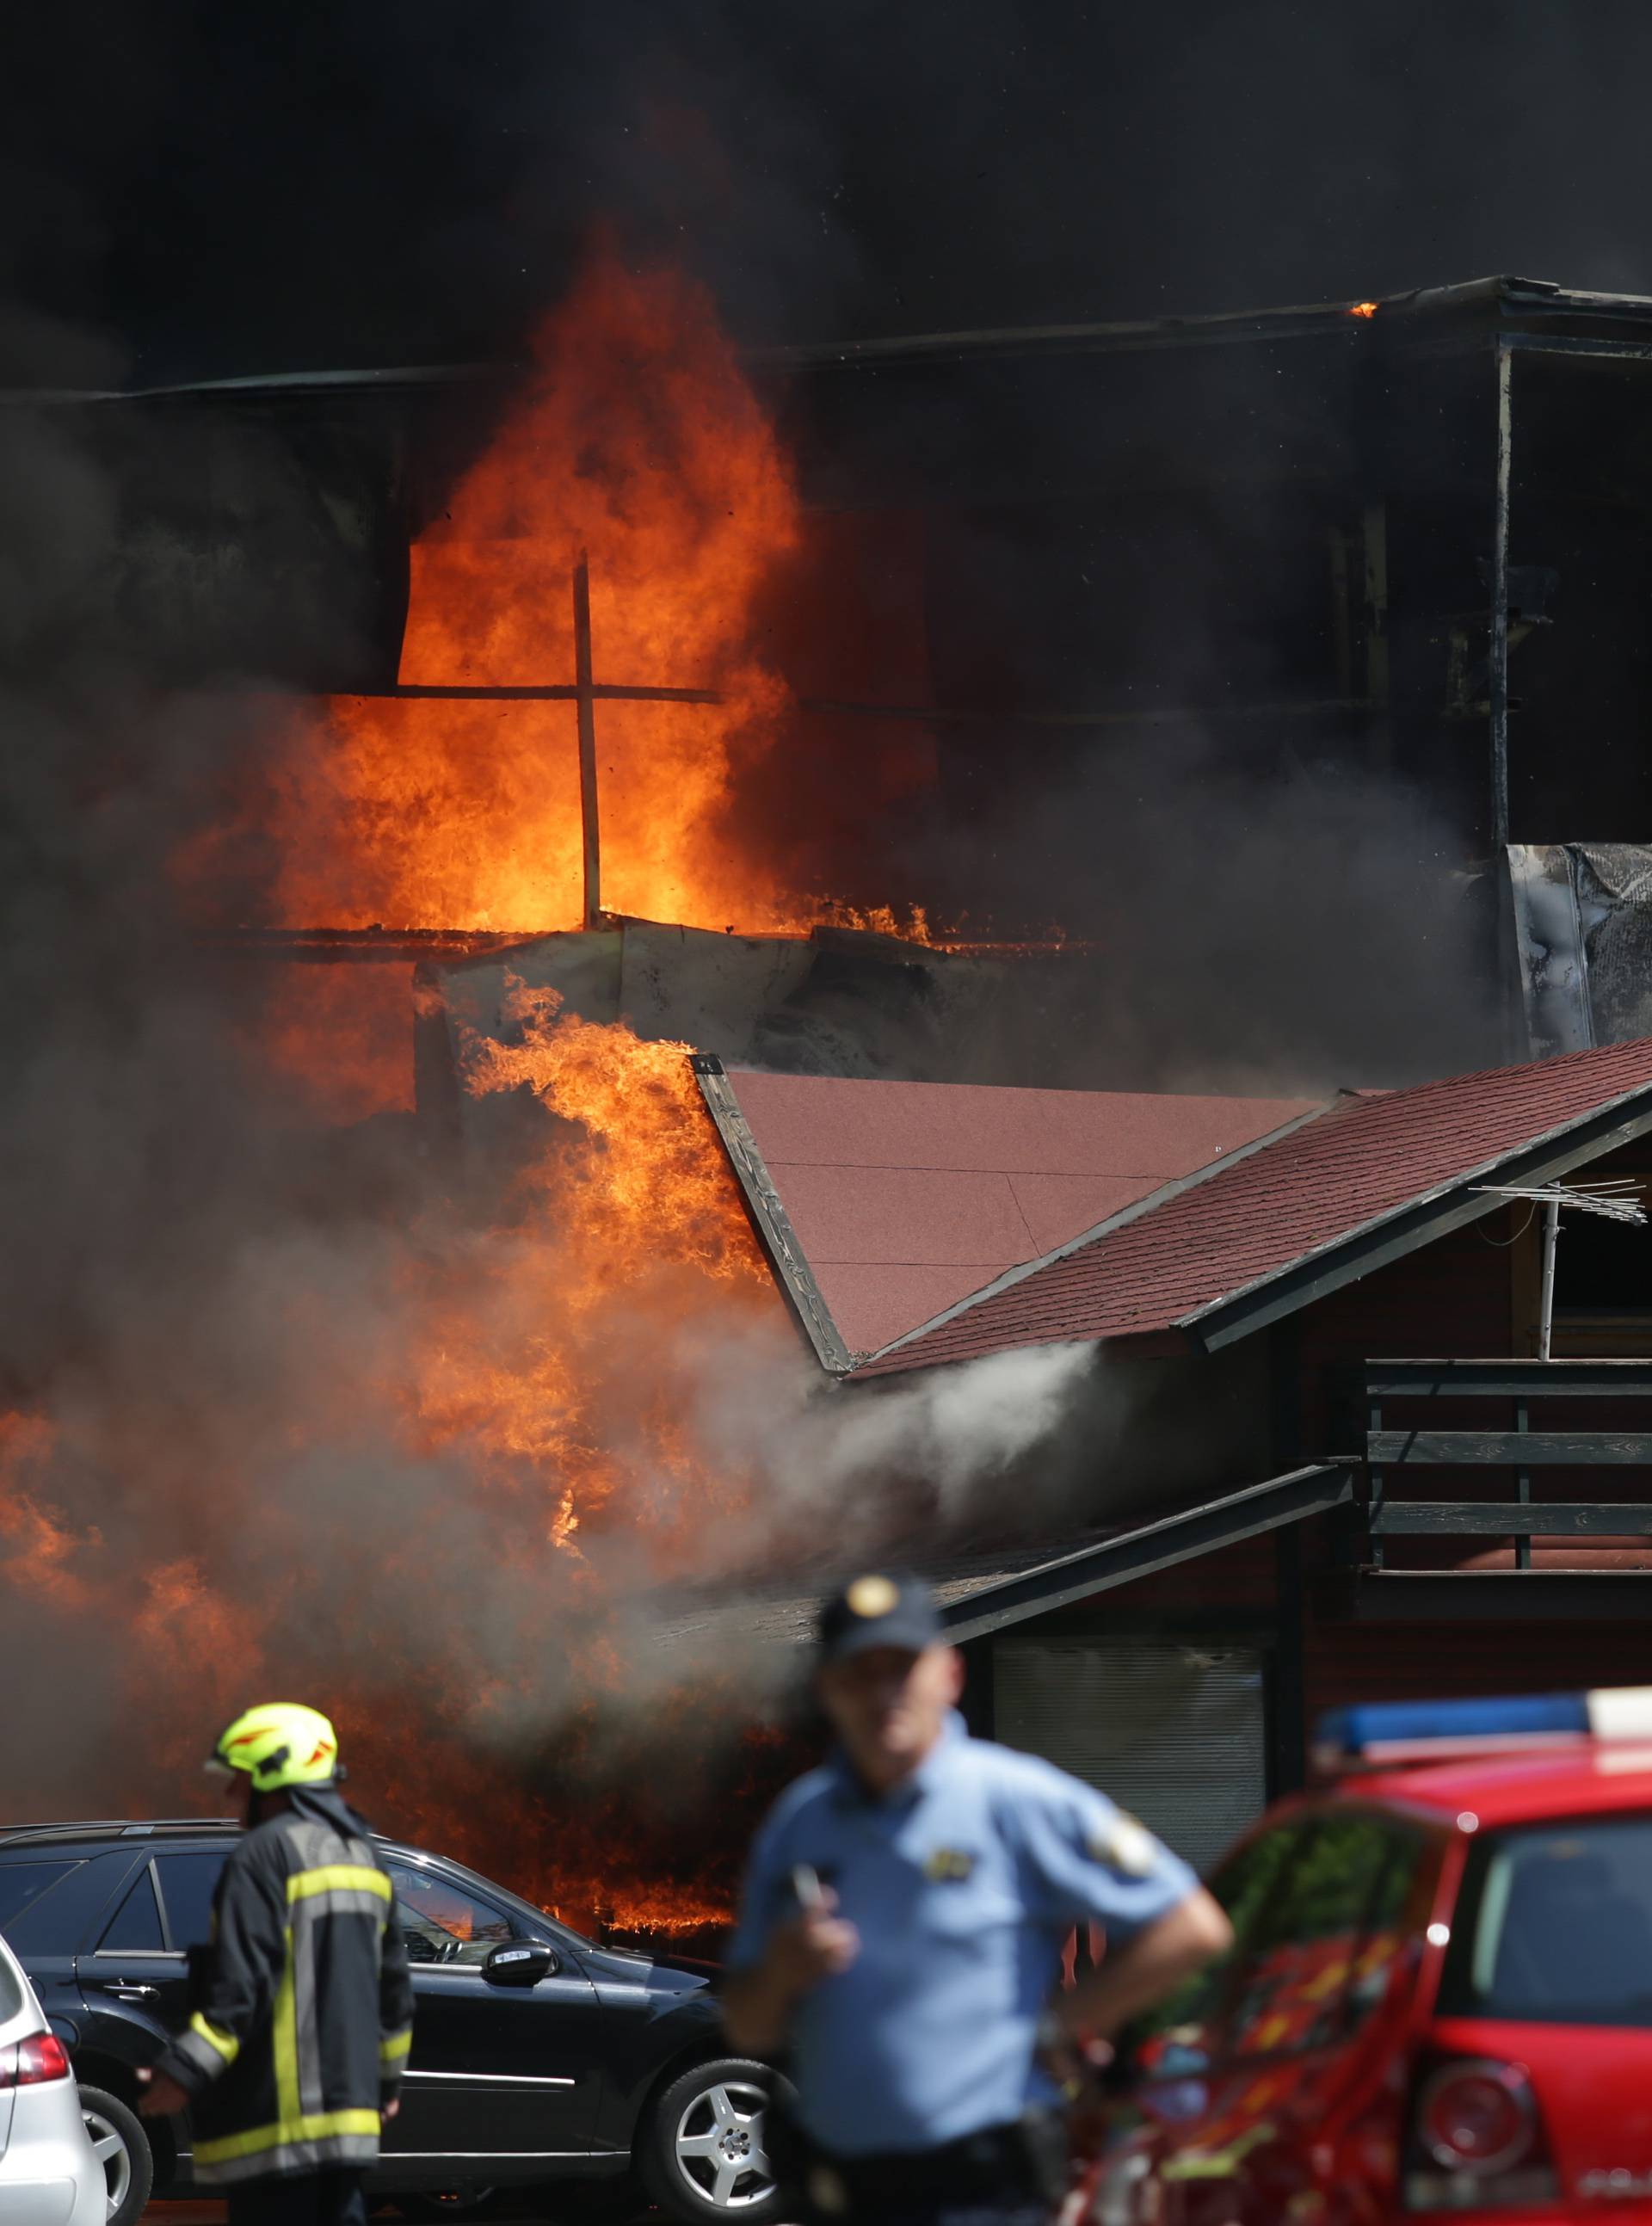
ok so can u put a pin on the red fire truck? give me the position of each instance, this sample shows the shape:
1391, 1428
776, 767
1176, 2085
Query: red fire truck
1440, 1998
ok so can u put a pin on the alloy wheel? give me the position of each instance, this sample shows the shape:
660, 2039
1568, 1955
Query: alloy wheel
113, 2155
720, 2146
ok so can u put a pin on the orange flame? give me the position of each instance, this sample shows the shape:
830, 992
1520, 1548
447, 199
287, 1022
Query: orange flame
546, 1364
1364, 308
639, 439
537, 1364
631, 1208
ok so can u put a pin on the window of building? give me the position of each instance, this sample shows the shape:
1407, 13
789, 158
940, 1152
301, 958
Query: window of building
1174, 1734
1603, 1282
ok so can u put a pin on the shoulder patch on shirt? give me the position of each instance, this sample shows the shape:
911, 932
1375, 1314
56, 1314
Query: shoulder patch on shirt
1124, 1845
946, 1865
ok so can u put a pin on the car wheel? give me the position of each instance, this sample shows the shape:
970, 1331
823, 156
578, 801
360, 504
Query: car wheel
122, 2147
702, 2152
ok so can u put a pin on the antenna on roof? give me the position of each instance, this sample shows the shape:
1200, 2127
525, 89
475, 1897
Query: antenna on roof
1616, 1199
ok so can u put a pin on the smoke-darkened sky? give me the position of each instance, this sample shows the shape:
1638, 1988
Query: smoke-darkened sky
218, 190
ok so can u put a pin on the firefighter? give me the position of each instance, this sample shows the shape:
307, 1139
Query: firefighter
901, 1934
303, 2010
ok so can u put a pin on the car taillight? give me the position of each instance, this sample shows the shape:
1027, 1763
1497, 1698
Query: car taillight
1477, 2138
27, 2062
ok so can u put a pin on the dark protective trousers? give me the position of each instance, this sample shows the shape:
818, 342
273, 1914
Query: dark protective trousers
299, 2198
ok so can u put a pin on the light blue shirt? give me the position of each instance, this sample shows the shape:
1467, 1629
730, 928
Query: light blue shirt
962, 1884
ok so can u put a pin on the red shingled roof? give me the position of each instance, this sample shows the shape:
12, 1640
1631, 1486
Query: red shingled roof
1369, 1158
907, 1196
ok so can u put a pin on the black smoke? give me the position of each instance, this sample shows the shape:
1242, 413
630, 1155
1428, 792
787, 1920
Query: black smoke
216, 191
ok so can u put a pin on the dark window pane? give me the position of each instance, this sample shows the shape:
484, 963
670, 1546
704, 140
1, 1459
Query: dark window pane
443, 1923
137, 1922
23, 1883
1297, 1967
1601, 1266
1555, 1926
188, 1884
1179, 2036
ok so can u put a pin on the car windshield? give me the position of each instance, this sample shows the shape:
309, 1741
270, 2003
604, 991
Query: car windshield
1317, 1904
1555, 1926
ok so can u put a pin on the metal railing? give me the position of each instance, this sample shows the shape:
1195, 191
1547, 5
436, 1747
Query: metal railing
1391, 1451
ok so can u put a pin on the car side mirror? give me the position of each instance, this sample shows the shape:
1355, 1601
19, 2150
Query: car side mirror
519, 1963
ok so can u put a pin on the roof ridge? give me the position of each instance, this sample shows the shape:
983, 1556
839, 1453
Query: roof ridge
1513, 1113
1165, 1194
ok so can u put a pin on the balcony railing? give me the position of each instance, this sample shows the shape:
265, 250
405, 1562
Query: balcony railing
1398, 1452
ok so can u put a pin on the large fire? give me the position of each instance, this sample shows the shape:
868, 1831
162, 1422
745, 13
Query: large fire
533, 1394
639, 441
475, 1438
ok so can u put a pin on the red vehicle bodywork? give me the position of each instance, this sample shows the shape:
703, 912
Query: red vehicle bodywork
1286, 2125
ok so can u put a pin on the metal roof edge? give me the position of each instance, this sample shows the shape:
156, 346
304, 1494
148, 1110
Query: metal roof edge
1427, 1213
381, 378
1162, 1196
774, 1224
1153, 1546
1282, 318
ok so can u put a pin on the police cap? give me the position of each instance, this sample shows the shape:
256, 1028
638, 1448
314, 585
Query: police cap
879, 1610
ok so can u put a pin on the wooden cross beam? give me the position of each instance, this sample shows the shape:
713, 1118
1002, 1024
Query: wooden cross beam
585, 693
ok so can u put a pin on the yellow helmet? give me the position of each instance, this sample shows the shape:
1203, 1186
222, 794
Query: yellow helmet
279, 1743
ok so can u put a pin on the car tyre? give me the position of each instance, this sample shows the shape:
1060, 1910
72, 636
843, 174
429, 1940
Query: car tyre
122, 2149
701, 2153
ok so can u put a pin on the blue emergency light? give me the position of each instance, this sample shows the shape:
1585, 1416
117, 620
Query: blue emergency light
1393, 1731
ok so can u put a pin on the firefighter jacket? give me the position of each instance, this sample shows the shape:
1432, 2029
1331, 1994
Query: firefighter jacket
304, 2016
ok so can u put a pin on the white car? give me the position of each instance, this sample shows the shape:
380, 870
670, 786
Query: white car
50, 2172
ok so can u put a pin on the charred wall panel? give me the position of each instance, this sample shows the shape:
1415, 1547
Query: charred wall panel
1580, 662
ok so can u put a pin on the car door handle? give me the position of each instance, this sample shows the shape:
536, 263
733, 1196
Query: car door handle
130, 1990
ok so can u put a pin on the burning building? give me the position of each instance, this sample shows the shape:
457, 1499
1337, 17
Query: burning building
460, 779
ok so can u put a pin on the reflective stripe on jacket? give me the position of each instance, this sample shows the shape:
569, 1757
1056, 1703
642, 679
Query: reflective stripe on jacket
306, 2018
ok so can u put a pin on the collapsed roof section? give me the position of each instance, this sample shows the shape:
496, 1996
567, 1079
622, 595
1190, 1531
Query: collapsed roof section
836, 1001
1286, 1212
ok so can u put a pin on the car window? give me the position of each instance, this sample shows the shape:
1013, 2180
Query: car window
1554, 1926
23, 1883
188, 1884
135, 1925
1179, 2036
443, 1923
1302, 1973
12, 1995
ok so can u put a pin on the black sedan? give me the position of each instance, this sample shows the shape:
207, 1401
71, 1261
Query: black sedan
537, 2057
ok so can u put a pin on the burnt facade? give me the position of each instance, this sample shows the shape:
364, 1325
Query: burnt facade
1156, 572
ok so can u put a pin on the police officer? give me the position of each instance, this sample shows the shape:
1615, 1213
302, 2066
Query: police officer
304, 2015
901, 1932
